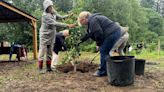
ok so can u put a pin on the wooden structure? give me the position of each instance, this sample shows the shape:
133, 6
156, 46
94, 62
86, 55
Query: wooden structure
9, 13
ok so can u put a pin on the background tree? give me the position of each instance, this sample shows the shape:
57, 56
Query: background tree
148, 3
142, 17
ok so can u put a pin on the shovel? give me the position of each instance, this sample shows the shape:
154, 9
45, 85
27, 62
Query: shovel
95, 56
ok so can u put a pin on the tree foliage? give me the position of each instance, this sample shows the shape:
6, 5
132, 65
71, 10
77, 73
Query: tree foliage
140, 15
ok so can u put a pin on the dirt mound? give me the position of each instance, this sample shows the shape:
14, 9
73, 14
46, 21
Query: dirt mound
80, 66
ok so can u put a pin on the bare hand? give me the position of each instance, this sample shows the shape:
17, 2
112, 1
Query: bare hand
97, 47
71, 25
71, 14
63, 48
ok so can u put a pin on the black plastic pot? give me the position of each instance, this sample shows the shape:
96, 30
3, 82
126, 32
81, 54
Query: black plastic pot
139, 66
120, 70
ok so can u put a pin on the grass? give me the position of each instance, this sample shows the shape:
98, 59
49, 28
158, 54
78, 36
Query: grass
88, 56
29, 73
148, 56
151, 56
6, 56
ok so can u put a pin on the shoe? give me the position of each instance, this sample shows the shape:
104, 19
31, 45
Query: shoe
41, 71
53, 68
49, 70
97, 74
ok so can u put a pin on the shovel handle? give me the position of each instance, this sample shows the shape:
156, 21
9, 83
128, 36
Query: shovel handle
95, 56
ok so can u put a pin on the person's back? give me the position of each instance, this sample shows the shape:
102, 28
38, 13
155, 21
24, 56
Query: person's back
99, 28
59, 42
107, 25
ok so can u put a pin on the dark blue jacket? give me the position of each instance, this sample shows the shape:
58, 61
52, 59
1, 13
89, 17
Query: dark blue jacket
60, 42
99, 28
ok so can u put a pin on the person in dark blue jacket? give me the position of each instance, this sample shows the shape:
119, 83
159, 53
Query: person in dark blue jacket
102, 30
59, 45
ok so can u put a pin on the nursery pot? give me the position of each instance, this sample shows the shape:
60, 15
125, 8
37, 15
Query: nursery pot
120, 70
139, 66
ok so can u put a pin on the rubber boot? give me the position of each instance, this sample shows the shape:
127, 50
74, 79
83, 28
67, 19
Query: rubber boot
48, 63
40, 63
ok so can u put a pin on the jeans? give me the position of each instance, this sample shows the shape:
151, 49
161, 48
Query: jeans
13, 47
120, 44
105, 48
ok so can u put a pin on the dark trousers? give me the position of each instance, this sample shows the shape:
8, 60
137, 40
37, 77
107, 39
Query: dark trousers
105, 49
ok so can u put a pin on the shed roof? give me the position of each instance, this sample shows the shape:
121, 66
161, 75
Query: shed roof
10, 13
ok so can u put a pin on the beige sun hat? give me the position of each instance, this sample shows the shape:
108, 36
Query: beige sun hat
46, 4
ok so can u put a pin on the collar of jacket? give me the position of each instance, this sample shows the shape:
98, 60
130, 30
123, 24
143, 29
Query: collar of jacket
90, 18
93, 15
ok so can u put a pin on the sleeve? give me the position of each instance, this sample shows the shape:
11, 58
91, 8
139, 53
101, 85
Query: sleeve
50, 21
65, 46
60, 16
62, 39
97, 31
59, 34
86, 37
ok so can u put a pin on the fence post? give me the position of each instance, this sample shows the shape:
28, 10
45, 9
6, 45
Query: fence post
159, 45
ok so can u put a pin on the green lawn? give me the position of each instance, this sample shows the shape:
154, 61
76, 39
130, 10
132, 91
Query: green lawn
24, 77
88, 56
151, 56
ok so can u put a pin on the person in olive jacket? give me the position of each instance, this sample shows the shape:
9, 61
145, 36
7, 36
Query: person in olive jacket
102, 30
